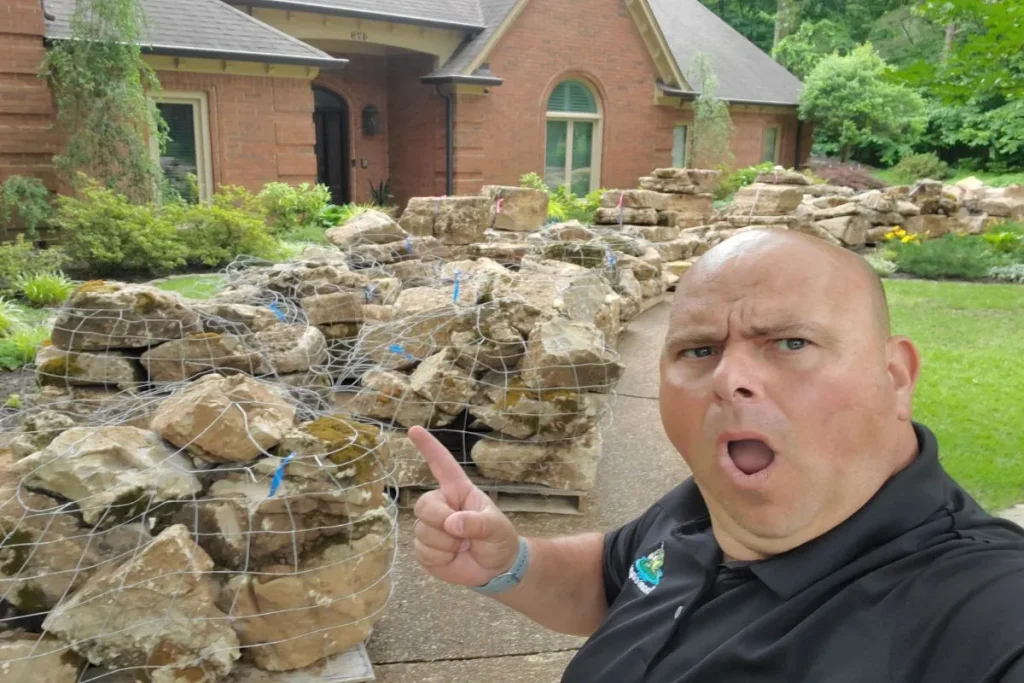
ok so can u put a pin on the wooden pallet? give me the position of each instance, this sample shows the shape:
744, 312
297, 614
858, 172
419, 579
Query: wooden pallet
510, 497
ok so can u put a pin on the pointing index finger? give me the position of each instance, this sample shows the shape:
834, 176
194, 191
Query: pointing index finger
449, 473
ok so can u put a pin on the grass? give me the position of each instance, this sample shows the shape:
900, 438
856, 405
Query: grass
971, 390
192, 286
991, 179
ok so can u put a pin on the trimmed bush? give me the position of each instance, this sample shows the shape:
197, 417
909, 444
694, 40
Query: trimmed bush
289, 207
915, 167
21, 258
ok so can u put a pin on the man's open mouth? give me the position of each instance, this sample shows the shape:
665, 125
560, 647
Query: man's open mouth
750, 455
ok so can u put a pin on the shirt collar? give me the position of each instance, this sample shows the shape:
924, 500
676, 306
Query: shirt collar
904, 502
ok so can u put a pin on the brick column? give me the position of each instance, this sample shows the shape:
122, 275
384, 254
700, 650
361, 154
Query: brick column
28, 137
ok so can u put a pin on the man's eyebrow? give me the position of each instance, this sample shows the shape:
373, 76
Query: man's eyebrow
693, 336
789, 329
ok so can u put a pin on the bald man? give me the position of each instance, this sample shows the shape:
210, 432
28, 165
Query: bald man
819, 538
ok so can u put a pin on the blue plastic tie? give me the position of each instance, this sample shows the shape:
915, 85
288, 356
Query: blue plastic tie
611, 257
400, 350
277, 311
408, 245
458, 283
368, 291
275, 483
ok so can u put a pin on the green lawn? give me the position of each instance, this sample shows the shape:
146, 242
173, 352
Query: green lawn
971, 392
990, 179
192, 286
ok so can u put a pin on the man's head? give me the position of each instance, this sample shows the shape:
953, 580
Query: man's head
783, 389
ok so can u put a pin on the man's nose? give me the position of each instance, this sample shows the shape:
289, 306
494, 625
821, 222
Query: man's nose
737, 377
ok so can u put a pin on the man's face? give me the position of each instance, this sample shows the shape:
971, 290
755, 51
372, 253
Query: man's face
775, 388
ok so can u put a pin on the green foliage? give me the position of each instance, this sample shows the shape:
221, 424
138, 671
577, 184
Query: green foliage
902, 36
732, 182
1005, 242
105, 233
712, 127
45, 289
24, 204
755, 19
215, 234
290, 207
18, 348
854, 105
1013, 272
951, 256
800, 52
881, 265
13, 402
534, 181
10, 316
20, 258
381, 193
563, 205
100, 82
917, 166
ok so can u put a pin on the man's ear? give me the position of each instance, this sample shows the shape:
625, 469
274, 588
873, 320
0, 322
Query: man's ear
903, 362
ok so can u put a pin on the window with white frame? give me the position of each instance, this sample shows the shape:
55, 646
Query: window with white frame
187, 153
680, 138
771, 145
572, 151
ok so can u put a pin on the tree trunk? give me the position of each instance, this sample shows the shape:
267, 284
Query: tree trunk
844, 154
786, 20
947, 45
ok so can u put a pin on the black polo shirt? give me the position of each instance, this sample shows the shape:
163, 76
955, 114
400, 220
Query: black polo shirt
920, 585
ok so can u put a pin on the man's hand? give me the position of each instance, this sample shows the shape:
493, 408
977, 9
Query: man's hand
461, 537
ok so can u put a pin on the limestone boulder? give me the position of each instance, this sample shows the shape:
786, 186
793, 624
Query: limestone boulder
815, 230
37, 430
625, 244
652, 233
517, 209
929, 225
569, 231
905, 208
389, 398
825, 190
225, 419
507, 405
290, 619
1002, 207
491, 337
111, 473
287, 349
408, 338
57, 367
583, 254
301, 279
37, 658
688, 211
745, 221
45, 554
199, 353
782, 176
850, 230
634, 199
837, 211
100, 316
155, 610
642, 269
337, 475
875, 200
239, 319
558, 463
626, 216
628, 287
927, 195
678, 268
682, 180
503, 252
474, 279
766, 200
441, 381
453, 220
371, 227
572, 355
414, 273
410, 468
678, 249
339, 307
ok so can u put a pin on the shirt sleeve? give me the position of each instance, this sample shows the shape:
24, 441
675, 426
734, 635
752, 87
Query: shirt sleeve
620, 548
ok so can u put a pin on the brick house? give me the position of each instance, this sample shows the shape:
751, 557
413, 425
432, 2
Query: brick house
438, 96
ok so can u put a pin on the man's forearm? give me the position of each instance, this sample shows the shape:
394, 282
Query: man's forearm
563, 587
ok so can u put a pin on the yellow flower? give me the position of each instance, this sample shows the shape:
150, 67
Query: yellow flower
906, 239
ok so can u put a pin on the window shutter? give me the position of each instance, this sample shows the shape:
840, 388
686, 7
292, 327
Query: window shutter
572, 97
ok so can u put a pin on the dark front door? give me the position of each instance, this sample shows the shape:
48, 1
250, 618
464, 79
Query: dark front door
330, 115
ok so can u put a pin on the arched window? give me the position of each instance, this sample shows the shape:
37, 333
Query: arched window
572, 154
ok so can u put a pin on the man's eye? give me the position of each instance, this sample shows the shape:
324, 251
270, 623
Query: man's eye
699, 352
793, 344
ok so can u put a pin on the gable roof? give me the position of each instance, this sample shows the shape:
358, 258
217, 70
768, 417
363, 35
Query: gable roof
745, 73
495, 14
458, 14
205, 29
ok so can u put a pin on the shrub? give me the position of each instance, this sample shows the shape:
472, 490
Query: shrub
732, 182
1010, 273
533, 181
1004, 241
20, 258
563, 205
881, 265
918, 166
19, 347
10, 316
951, 256
215, 234
45, 289
288, 207
104, 232
849, 175
24, 204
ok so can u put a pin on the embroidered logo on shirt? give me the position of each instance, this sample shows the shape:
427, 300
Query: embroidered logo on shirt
646, 572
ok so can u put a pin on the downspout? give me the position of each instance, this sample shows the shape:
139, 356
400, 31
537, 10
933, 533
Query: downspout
449, 146
799, 136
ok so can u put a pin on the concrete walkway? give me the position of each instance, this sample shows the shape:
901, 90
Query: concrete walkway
435, 633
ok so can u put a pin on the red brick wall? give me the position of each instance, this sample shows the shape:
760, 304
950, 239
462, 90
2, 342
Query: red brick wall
261, 128
500, 136
748, 138
416, 114
363, 81
27, 132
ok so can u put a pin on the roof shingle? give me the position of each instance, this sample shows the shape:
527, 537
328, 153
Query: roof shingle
456, 13
206, 28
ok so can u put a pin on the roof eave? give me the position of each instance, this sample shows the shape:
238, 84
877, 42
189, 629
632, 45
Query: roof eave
690, 95
317, 8
460, 79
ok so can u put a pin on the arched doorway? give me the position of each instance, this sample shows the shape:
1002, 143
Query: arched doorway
330, 114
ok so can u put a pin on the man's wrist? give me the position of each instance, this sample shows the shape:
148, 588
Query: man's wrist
508, 580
